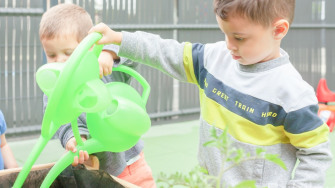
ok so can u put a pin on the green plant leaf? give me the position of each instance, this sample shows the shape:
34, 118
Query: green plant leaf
246, 184
200, 178
259, 151
274, 158
209, 143
213, 133
239, 155
203, 170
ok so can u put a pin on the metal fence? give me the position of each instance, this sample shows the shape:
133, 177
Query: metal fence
310, 43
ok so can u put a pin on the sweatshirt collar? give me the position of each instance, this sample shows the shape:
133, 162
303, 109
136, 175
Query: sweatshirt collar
264, 66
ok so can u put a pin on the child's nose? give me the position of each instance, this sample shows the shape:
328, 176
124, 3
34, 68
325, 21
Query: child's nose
61, 58
230, 45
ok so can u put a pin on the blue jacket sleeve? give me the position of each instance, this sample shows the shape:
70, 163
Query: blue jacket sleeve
3, 126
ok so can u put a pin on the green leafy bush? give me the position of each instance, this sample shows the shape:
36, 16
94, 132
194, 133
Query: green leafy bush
199, 177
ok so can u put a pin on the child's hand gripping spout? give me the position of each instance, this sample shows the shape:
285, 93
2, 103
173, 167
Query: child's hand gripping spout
83, 155
109, 36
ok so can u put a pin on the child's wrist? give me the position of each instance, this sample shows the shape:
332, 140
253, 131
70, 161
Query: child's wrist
83, 137
118, 38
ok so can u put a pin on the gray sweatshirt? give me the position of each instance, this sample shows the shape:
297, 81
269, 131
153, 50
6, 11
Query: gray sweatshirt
266, 105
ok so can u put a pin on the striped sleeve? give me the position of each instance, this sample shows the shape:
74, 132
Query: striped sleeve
193, 58
304, 128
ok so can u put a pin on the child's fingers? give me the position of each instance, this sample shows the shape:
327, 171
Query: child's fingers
105, 31
110, 69
81, 158
106, 71
106, 62
101, 72
100, 28
86, 156
108, 35
75, 161
71, 146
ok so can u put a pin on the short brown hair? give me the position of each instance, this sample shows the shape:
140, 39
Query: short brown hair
65, 19
263, 12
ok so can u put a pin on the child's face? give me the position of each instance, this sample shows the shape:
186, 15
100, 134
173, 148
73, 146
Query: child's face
59, 48
248, 42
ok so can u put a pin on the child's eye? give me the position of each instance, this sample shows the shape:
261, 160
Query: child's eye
51, 55
239, 38
68, 53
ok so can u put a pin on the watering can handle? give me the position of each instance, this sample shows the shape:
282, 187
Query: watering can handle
94, 37
97, 48
138, 77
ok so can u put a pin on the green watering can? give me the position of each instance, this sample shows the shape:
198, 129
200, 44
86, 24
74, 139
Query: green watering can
116, 114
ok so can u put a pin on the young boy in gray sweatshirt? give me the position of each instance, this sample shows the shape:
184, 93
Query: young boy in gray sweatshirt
248, 85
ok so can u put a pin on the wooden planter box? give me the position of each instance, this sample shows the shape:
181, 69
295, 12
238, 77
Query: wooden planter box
38, 173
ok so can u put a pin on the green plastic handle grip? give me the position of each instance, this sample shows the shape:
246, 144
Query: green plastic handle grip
145, 85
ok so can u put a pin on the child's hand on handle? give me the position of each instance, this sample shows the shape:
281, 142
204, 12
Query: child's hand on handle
83, 155
109, 36
106, 62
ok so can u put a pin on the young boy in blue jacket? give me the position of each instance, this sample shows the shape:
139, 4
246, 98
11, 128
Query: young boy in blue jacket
248, 85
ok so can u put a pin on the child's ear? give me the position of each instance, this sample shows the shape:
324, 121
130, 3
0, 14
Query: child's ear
281, 27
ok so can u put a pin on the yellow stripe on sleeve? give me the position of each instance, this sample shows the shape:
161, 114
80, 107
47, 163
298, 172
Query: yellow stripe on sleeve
311, 138
188, 63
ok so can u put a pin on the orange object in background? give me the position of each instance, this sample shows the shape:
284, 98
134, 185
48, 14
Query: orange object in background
325, 96
323, 93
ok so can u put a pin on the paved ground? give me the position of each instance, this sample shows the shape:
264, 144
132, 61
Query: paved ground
168, 148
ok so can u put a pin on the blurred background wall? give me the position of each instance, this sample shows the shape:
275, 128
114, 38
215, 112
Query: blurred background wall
310, 43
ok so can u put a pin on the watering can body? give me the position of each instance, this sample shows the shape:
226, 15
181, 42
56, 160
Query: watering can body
116, 114
125, 117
